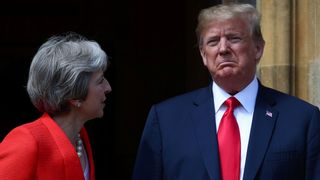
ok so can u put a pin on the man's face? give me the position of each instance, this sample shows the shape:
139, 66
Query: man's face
230, 53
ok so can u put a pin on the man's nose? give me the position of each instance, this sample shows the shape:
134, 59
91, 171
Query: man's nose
223, 45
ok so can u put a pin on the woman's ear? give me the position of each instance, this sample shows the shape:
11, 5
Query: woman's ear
75, 103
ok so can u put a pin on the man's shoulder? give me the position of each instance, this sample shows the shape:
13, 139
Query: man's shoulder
184, 99
284, 98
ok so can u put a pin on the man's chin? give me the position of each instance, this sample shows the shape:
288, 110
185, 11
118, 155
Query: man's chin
227, 72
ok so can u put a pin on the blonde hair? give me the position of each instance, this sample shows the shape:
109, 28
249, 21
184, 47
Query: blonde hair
230, 11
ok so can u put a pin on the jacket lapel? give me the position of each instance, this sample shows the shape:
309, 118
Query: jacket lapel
203, 118
67, 153
263, 123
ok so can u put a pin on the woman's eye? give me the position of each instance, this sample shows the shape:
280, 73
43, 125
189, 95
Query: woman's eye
102, 80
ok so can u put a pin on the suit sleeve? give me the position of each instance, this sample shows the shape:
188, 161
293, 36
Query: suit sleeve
313, 148
18, 156
148, 165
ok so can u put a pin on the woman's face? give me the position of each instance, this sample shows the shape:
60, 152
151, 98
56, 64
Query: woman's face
92, 106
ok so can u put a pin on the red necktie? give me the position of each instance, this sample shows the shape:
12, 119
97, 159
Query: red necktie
229, 142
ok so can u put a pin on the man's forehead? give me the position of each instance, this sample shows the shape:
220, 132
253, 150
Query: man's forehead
226, 27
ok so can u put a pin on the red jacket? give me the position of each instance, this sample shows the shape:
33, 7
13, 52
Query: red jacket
40, 150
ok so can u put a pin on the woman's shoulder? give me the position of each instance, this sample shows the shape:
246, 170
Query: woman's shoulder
20, 135
18, 150
19, 144
23, 136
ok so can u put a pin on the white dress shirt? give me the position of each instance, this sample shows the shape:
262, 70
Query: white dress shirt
243, 113
86, 171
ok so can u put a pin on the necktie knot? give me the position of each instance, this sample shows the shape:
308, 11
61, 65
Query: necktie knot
232, 102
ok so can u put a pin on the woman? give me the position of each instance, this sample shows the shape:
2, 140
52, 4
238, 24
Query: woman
66, 82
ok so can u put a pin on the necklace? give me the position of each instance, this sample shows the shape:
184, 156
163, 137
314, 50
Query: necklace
79, 145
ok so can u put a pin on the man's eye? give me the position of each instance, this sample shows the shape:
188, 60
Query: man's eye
213, 42
235, 39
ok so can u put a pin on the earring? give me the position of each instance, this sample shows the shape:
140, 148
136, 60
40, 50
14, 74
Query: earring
78, 104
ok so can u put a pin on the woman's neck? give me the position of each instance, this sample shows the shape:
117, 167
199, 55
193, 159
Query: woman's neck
70, 124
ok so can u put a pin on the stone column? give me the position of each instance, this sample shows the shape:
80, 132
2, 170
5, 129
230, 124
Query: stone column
276, 66
307, 50
291, 61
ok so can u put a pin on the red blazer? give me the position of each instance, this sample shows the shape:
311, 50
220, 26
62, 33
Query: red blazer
40, 150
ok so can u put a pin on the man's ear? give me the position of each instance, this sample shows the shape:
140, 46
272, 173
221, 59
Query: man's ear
259, 49
203, 55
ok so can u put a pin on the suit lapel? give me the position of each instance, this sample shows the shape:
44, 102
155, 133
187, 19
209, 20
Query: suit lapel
263, 123
203, 118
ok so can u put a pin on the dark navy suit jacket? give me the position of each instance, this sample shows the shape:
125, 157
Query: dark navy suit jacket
179, 140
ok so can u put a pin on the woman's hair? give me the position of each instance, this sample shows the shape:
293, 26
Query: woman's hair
61, 69
230, 11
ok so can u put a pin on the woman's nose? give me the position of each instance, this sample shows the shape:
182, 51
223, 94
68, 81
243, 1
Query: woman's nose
108, 88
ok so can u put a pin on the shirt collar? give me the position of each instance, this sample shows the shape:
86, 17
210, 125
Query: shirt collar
247, 97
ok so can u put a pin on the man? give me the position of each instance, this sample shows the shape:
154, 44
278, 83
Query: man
273, 135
